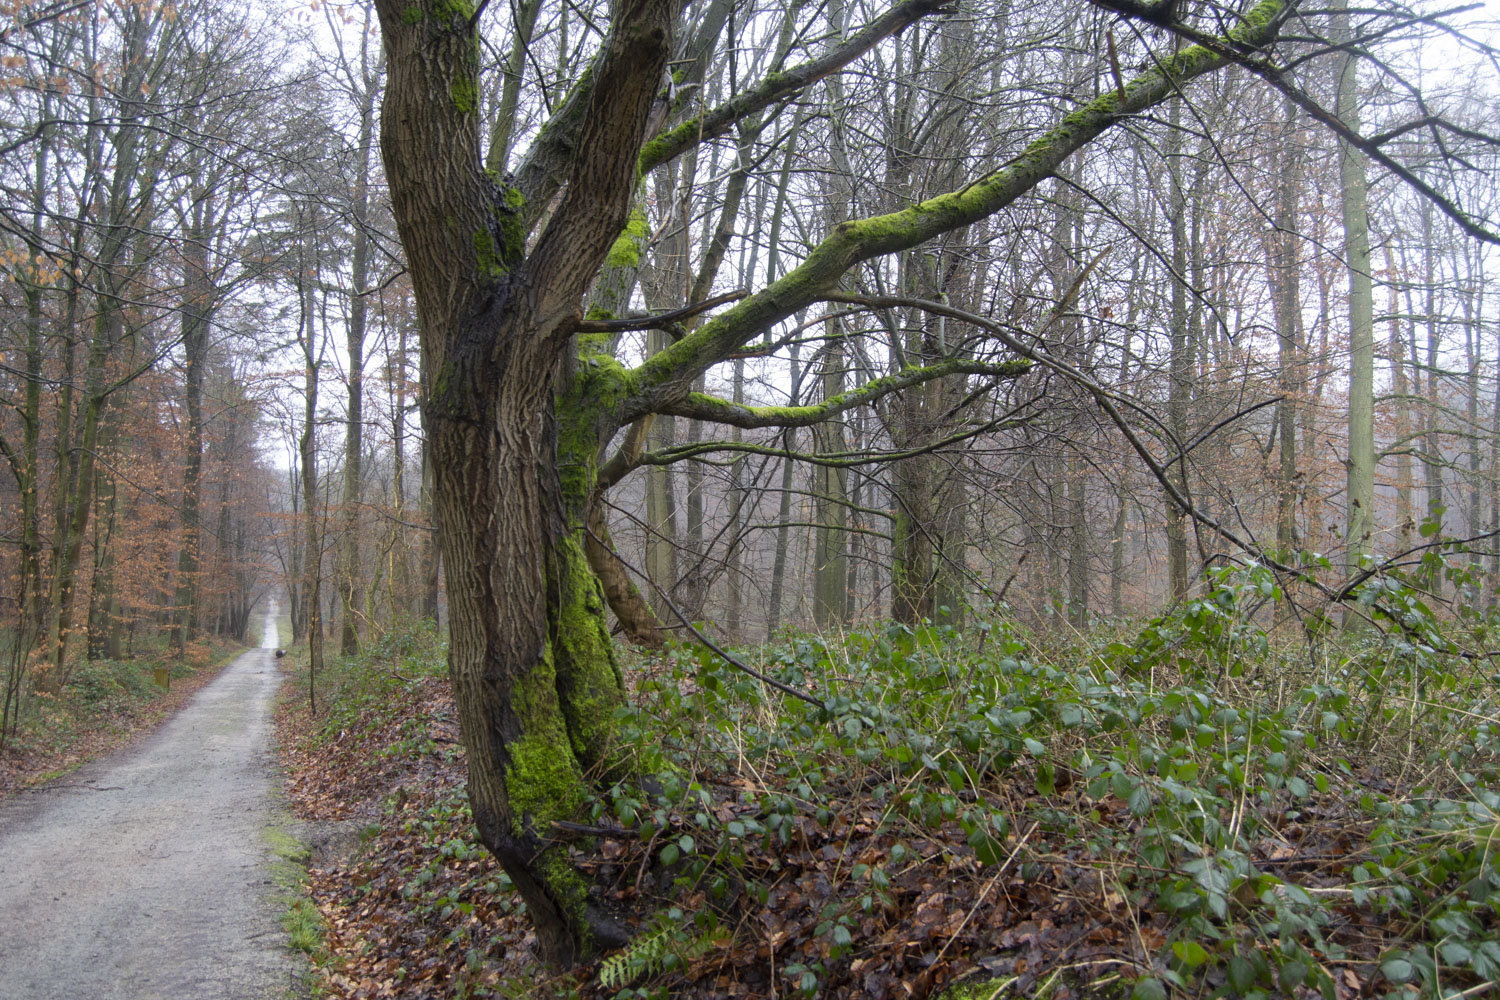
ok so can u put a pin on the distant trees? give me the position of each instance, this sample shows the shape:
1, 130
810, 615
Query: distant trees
124, 197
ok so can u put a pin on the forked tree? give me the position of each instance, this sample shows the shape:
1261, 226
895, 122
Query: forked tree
521, 400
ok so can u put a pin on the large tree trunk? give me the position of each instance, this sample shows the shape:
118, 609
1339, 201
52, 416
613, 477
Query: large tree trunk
532, 668
196, 308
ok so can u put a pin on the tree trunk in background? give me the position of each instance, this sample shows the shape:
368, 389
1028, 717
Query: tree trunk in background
294, 571
402, 596
1353, 190
1117, 557
1475, 489
1180, 361
312, 544
784, 507
432, 559
1402, 403
196, 325
1286, 302
1432, 442
1078, 544
692, 584
734, 559
350, 572
830, 490
661, 508
1494, 525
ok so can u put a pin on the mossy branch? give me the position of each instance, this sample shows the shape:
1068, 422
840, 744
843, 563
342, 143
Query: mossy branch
832, 460
702, 406
669, 374
720, 120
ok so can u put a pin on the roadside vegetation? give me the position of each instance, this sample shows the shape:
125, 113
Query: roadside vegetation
1184, 806
100, 706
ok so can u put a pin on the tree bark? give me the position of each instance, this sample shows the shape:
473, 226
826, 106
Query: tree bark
1359, 542
533, 673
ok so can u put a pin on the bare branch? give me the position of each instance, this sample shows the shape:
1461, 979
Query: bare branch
1231, 51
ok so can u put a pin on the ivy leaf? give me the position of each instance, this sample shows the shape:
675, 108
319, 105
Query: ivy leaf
1293, 974
1397, 970
1241, 974
1190, 953
1148, 989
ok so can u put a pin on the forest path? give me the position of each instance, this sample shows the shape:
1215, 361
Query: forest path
147, 876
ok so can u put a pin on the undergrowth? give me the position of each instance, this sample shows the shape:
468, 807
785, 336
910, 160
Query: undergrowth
1263, 817
1199, 808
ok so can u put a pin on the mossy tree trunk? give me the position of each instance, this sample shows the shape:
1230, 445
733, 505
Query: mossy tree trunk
529, 658
516, 417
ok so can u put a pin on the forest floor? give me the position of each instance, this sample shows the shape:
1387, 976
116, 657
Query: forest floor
152, 873
1030, 833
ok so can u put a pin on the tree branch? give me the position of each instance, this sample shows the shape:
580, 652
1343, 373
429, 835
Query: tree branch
701, 406
717, 122
831, 460
661, 321
1232, 50
596, 204
669, 374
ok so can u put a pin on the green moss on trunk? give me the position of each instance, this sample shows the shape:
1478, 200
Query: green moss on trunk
590, 685
543, 783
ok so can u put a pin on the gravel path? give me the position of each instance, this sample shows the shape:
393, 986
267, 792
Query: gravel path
147, 876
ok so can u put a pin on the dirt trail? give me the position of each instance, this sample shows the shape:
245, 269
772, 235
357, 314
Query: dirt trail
147, 876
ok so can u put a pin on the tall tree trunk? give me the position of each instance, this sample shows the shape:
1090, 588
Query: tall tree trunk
1286, 303
830, 492
1078, 543
1432, 441
661, 507
1117, 556
196, 320
783, 507
402, 597
350, 595
532, 668
1402, 392
1179, 363
734, 558
312, 535
1353, 189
